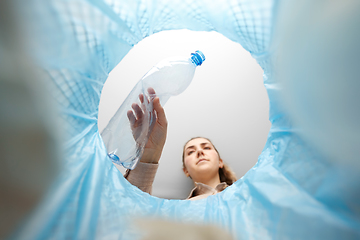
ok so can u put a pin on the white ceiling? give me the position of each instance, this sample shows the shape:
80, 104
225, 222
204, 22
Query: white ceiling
226, 102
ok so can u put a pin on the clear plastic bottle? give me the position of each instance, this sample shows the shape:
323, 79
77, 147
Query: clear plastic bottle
168, 78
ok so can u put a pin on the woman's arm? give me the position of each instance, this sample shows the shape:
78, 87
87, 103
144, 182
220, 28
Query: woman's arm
142, 176
144, 173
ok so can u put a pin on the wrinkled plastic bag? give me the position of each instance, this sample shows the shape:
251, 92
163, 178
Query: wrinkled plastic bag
293, 192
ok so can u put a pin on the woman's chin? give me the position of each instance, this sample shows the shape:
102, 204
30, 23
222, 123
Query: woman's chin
205, 166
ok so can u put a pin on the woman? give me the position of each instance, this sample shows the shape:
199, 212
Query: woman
202, 163
201, 160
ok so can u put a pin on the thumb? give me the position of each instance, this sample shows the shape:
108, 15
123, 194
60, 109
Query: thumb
160, 112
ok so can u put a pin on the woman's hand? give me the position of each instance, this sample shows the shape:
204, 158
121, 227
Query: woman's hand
157, 138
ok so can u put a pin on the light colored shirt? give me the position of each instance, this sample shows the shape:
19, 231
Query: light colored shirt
144, 174
201, 190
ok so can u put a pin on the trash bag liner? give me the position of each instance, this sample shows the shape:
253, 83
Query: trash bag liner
293, 191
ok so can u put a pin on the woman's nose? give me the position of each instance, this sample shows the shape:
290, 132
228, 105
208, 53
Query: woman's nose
200, 153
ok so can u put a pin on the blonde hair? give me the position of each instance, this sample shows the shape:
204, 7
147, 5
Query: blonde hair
225, 173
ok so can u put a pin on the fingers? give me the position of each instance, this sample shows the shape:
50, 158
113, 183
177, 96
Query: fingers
151, 91
131, 117
139, 114
138, 111
160, 112
151, 94
141, 97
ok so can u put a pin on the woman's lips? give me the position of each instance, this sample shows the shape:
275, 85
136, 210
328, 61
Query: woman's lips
201, 160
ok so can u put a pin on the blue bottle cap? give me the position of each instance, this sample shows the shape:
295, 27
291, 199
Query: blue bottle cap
197, 58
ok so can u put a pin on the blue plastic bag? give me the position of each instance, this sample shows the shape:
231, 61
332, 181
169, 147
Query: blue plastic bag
293, 192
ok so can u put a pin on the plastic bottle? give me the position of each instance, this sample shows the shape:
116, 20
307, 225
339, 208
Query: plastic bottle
168, 78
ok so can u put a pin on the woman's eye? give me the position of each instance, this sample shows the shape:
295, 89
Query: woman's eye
190, 152
207, 148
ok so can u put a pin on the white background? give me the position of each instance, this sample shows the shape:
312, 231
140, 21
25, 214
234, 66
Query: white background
226, 102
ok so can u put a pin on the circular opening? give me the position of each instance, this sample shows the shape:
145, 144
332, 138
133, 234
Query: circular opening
226, 102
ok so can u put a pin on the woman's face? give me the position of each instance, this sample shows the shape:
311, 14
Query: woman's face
201, 159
